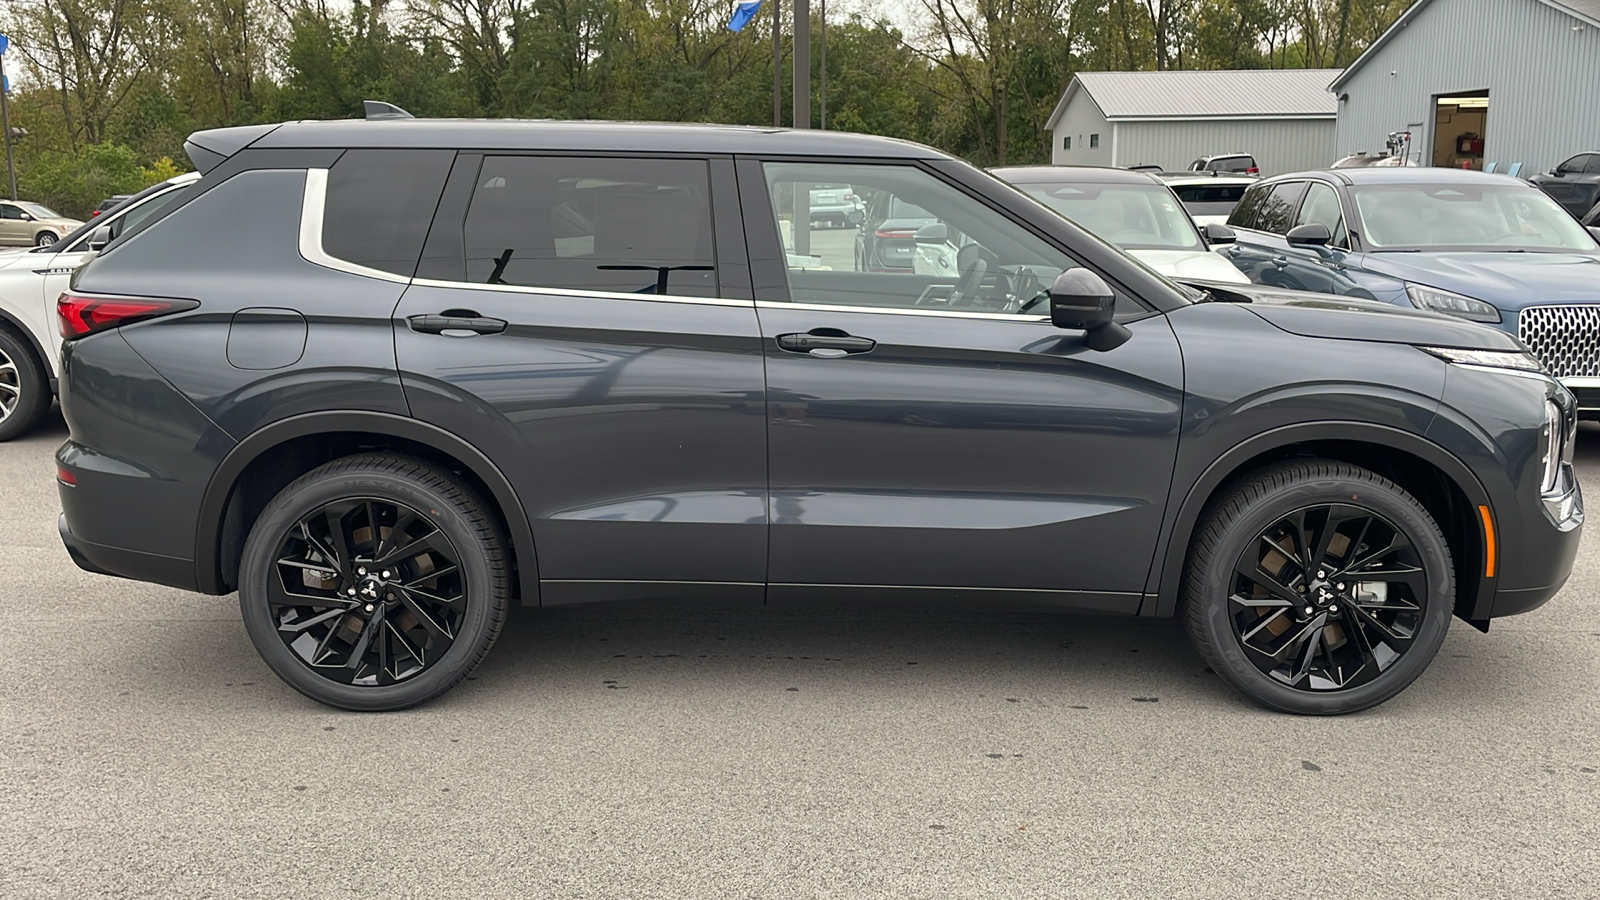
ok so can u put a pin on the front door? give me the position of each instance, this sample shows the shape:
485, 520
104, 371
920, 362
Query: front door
938, 432
585, 332
14, 225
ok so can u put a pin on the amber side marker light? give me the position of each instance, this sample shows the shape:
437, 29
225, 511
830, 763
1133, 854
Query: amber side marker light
1488, 542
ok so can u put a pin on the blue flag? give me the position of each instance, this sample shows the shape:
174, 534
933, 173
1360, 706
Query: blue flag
742, 14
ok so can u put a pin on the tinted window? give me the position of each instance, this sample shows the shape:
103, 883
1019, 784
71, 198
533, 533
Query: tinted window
1593, 166
379, 206
1277, 211
10, 212
1572, 166
1210, 193
1233, 164
640, 226
1244, 215
1321, 207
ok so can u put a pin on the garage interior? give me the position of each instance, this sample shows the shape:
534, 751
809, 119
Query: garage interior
1459, 121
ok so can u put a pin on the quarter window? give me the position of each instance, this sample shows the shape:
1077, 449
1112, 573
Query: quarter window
379, 205
940, 250
636, 226
1321, 207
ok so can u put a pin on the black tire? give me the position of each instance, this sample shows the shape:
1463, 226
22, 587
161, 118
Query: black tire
45, 239
1364, 637
24, 386
430, 497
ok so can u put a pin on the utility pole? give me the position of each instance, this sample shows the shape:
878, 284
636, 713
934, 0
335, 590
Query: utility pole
5, 114
822, 50
802, 63
777, 63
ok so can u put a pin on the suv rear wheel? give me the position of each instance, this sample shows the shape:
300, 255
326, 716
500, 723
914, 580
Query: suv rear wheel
1319, 588
374, 582
24, 388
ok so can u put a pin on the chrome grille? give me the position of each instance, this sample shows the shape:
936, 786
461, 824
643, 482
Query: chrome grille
1565, 338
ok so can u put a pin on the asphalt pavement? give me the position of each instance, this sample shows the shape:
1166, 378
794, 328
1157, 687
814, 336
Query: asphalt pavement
684, 751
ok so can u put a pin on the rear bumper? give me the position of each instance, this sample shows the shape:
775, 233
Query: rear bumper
119, 563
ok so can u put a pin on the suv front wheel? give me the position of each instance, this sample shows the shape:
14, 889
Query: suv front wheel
1319, 588
375, 582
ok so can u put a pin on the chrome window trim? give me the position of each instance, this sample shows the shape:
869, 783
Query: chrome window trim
311, 214
901, 311
574, 292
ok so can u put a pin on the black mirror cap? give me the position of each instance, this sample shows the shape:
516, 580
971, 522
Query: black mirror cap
1081, 300
933, 233
1218, 233
855, 217
1313, 234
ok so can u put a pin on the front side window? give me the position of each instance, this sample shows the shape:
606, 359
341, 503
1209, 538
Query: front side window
1572, 166
1592, 167
1132, 216
963, 256
39, 211
1321, 207
1489, 217
7, 211
634, 226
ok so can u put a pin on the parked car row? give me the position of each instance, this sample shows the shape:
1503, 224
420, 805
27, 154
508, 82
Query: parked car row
386, 379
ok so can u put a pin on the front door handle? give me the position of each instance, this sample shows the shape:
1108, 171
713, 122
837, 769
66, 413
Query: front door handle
826, 343
456, 323
1281, 262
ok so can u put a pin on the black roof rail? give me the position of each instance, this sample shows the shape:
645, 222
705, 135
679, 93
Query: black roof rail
377, 109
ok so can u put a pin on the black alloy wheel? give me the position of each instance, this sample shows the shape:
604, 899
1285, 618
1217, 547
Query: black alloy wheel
24, 395
1318, 587
374, 583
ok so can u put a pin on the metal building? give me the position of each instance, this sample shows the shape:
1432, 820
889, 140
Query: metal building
1284, 117
1479, 82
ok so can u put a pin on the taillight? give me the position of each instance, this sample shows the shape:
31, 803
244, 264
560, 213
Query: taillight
65, 477
907, 233
95, 213
1252, 171
79, 315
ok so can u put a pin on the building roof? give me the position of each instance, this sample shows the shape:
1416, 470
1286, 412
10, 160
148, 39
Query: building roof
1587, 11
1177, 95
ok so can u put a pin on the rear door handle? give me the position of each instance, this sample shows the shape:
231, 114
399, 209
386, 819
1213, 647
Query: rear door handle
463, 322
826, 343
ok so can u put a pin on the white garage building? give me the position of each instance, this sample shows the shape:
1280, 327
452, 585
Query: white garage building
1285, 117
1476, 82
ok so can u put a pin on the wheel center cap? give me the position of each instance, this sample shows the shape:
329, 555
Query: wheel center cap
370, 589
1322, 593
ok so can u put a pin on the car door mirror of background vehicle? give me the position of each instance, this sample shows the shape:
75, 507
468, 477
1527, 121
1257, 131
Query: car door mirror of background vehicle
1595, 230
1218, 233
1311, 234
99, 238
855, 217
1081, 300
933, 233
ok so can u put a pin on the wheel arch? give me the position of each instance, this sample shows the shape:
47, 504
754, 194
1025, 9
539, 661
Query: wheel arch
262, 464
1444, 485
10, 321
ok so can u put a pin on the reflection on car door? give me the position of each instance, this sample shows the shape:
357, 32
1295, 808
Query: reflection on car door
916, 441
585, 330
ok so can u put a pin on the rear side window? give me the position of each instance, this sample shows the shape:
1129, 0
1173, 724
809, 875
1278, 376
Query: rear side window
379, 205
637, 226
1244, 215
1277, 211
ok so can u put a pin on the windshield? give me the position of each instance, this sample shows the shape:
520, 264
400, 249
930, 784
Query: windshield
1466, 216
39, 211
1132, 216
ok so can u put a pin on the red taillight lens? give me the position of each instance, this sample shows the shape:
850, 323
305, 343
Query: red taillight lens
79, 315
1252, 171
65, 477
95, 213
908, 233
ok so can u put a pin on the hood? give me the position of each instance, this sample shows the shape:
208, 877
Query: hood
1509, 281
1201, 264
1352, 319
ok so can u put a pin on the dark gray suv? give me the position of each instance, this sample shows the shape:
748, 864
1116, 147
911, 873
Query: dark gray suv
386, 378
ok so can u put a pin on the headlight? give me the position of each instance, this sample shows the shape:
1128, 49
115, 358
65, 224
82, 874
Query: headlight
1488, 359
1451, 304
1553, 437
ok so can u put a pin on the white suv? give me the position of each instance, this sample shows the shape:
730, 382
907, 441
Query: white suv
30, 282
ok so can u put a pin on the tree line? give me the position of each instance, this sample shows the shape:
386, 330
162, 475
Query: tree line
107, 90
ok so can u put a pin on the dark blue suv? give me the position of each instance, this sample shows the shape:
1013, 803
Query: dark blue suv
1485, 248
386, 378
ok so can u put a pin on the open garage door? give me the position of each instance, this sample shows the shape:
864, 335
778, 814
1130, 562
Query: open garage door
1460, 123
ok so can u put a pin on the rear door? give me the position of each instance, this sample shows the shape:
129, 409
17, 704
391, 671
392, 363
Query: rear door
1260, 251
587, 322
929, 434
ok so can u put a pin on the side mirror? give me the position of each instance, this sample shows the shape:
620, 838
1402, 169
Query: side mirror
1218, 233
1081, 300
1314, 234
28, 217
99, 238
1595, 230
933, 233
855, 217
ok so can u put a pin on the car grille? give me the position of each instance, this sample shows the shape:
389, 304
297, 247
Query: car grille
1565, 338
